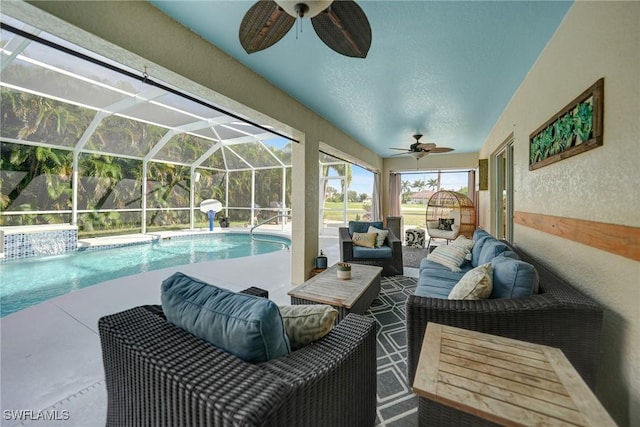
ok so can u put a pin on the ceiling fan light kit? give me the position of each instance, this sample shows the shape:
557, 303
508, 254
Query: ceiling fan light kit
305, 9
341, 25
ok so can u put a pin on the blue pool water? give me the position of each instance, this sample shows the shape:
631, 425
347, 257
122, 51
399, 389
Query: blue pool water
28, 282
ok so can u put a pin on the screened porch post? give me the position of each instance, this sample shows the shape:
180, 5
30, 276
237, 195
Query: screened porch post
144, 196
226, 192
192, 194
74, 189
253, 196
284, 200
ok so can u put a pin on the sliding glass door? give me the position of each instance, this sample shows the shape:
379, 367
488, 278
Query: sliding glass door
503, 201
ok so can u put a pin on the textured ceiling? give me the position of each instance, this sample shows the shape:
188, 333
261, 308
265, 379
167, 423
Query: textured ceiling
446, 69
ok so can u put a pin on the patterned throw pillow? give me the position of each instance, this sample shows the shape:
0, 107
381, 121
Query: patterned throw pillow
307, 323
476, 284
367, 240
381, 235
445, 223
448, 255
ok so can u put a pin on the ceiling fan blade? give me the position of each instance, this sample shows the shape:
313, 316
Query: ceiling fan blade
344, 28
263, 25
429, 146
438, 150
403, 149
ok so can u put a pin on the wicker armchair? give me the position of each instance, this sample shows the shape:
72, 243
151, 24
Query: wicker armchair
390, 266
558, 316
160, 375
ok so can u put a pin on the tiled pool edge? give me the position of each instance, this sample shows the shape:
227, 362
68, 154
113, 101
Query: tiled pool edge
73, 244
31, 241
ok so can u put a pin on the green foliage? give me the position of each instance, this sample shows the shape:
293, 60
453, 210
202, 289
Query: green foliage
561, 134
583, 121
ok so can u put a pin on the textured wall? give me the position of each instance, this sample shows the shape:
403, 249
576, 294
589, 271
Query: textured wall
596, 39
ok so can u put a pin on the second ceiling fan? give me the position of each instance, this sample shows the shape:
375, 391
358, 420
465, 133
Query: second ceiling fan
341, 25
420, 149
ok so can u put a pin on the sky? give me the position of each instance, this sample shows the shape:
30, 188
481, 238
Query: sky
362, 181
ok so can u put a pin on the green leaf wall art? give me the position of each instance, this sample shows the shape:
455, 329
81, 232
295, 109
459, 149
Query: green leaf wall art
575, 129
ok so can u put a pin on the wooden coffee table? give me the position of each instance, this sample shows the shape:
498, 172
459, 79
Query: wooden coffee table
347, 296
502, 380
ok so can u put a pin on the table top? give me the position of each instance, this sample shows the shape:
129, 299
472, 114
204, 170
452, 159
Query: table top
326, 288
503, 380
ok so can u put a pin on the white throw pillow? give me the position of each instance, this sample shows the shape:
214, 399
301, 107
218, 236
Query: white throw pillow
463, 242
382, 234
476, 284
307, 323
448, 255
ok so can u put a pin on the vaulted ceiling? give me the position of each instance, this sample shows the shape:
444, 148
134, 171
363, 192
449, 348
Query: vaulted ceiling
446, 69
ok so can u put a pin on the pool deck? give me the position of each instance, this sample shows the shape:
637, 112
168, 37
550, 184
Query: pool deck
50, 356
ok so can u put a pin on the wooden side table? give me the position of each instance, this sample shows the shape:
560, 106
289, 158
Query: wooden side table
500, 380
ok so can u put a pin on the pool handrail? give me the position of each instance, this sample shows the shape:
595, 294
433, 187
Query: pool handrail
265, 222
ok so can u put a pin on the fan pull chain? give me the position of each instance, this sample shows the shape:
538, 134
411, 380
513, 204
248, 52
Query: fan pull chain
298, 27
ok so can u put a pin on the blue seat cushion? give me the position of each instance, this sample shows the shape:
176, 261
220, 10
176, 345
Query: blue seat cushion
436, 280
363, 226
246, 326
513, 278
364, 253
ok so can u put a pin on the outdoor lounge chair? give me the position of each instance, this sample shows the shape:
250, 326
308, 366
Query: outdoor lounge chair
157, 374
389, 256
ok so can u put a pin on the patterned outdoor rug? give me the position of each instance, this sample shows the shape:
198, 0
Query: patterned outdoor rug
397, 405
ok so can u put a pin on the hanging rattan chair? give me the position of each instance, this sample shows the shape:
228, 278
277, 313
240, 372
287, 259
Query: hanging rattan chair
450, 214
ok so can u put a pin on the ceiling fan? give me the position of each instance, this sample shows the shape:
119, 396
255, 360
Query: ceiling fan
341, 24
420, 149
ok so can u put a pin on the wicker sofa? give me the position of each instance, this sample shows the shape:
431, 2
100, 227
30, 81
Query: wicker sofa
558, 316
160, 375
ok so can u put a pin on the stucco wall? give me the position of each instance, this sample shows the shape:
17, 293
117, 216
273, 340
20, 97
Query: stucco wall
596, 39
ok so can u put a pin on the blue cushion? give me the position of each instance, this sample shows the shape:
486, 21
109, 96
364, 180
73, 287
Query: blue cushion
490, 250
510, 254
436, 280
477, 248
479, 233
381, 252
246, 326
438, 270
513, 278
363, 226
434, 288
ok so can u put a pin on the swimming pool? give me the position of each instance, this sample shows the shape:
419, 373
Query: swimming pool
30, 281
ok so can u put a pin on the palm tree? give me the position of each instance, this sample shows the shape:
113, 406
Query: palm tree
419, 184
432, 183
405, 187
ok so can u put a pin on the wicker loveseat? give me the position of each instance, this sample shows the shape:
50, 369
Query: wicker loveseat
558, 316
160, 375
